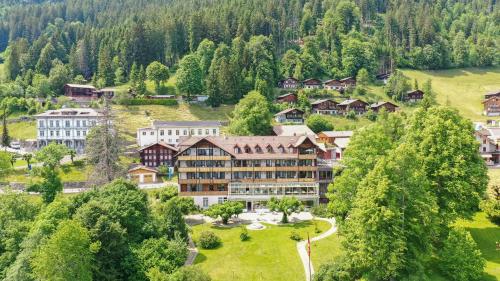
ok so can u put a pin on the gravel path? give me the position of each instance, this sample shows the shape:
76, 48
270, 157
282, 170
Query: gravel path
193, 252
302, 247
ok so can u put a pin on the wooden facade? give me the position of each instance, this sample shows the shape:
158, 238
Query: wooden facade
158, 154
312, 83
326, 106
289, 83
143, 175
80, 91
492, 106
389, 106
414, 96
358, 106
287, 98
332, 84
291, 115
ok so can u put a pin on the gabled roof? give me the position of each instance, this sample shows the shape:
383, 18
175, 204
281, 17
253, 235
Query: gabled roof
322, 101
82, 112
342, 142
490, 99
288, 110
338, 134
331, 80
314, 80
227, 143
347, 78
286, 95
350, 101
142, 167
380, 103
414, 91
292, 130
166, 145
290, 78
80, 86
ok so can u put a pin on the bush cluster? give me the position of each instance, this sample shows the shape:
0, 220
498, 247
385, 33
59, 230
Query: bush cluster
295, 236
208, 240
244, 236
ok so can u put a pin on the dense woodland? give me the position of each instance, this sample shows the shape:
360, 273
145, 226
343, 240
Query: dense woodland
232, 47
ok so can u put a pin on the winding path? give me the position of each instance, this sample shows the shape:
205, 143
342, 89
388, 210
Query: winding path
193, 252
301, 247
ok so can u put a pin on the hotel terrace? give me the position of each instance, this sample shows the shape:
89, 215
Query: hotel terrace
214, 169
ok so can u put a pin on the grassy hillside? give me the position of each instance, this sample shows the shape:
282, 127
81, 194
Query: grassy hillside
463, 89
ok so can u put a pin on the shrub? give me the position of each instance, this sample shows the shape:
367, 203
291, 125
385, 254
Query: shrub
491, 206
321, 211
295, 236
244, 236
316, 228
166, 102
208, 240
460, 259
351, 115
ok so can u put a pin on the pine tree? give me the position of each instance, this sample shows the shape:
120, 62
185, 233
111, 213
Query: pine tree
134, 76
141, 83
5, 130
105, 69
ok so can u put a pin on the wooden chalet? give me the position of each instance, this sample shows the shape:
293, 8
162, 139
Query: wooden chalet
158, 154
333, 84
357, 105
389, 106
80, 91
287, 98
290, 115
324, 106
384, 77
492, 106
143, 174
289, 83
312, 83
348, 82
414, 96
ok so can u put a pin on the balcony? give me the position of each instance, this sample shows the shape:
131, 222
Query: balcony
203, 193
307, 156
208, 181
194, 157
203, 169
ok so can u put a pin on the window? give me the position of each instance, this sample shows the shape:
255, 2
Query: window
143, 133
169, 132
78, 123
68, 133
281, 149
237, 150
221, 200
152, 133
269, 149
41, 123
192, 132
176, 132
57, 123
51, 133
247, 149
258, 149
84, 133
42, 133
205, 202
57, 133
214, 131
207, 132
185, 132
77, 133
67, 123
84, 123
200, 132
162, 132
51, 123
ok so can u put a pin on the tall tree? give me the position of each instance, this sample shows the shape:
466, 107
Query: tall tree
205, 52
5, 130
157, 73
251, 116
189, 76
105, 70
66, 255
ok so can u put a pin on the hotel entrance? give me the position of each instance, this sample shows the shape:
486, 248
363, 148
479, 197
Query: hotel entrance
249, 206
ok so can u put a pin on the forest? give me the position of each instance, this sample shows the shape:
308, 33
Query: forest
237, 46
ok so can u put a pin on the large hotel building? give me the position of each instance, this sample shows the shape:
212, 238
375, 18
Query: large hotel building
214, 169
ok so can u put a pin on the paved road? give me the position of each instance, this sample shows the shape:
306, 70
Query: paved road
301, 247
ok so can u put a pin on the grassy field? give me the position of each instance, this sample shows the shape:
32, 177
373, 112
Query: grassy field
326, 250
68, 173
463, 89
22, 130
130, 118
269, 254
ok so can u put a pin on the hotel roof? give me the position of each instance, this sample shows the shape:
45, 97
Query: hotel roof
80, 112
293, 130
157, 123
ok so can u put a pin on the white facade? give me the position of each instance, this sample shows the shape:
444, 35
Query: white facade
171, 132
68, 126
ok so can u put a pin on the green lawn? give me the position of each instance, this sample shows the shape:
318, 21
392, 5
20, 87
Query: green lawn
22, 130
68, 173
463, 89
130, 118
326, 250
269, 254
486, 234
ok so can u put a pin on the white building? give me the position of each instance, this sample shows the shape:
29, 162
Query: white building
68, 126
171, 131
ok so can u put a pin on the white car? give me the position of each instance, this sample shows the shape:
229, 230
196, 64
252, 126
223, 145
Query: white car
15, 145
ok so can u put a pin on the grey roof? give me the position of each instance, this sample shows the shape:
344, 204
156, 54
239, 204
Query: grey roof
80, 112
80, 86
292, 130
342, 142
321, 101
347, 102
338, 134
158, 123
287, 110
377, 104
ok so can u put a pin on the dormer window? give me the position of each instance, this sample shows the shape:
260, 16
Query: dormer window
237, 149
269, 148
258, 149
281, 149
248, 149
